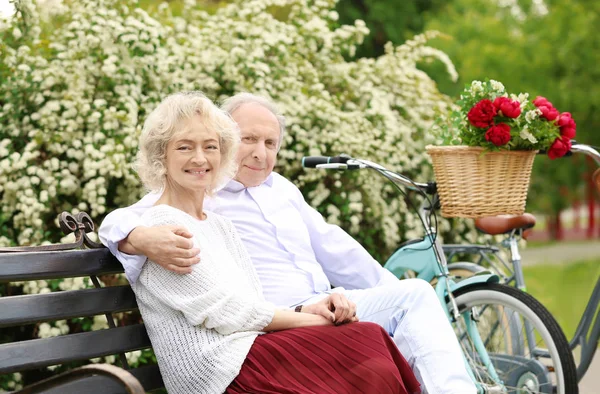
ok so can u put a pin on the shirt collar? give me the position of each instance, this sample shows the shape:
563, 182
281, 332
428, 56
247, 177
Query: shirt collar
235, 186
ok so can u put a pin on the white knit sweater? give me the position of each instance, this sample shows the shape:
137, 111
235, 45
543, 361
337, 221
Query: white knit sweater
202, 324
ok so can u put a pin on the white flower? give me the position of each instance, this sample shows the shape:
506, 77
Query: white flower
100, 323
526, 135
497, 86
134, 356
114, 64
44, 330
476, 87
532, 115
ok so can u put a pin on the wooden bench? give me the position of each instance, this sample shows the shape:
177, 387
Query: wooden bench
52, 262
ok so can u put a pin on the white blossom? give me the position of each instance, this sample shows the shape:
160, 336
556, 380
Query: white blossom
526, 135
113, 64
497, 86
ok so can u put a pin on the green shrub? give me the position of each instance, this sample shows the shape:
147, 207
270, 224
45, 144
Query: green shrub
77, 81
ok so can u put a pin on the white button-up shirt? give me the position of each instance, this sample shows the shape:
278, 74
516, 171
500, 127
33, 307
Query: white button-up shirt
296, 254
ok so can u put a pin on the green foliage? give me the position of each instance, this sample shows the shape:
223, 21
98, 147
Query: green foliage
90, 81
545, 48
77, 82
388, 20
563, 289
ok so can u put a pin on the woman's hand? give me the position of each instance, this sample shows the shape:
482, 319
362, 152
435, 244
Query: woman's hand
335, 307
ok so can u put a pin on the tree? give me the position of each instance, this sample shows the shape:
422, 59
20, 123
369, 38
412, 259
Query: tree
388, 20
73, 98
548, 49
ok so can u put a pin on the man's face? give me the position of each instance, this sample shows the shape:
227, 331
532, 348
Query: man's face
258, 151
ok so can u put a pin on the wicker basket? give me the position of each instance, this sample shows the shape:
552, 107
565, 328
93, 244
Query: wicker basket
474, 184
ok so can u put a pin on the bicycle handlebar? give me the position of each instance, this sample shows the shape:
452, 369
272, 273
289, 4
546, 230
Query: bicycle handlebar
345, 162
586, 150
314, 161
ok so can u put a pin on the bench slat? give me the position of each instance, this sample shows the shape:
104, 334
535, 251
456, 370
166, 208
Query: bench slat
57, 264
37, 353
90, 385
33, 308
149, 377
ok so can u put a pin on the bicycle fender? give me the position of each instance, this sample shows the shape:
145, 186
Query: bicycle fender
482, 277
468, 266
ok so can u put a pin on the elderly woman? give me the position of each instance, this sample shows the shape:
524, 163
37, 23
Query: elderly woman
205, 326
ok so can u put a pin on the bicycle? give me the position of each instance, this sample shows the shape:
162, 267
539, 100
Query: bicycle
587, 334
510, 342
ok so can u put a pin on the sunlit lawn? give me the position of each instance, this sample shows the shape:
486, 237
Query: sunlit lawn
563, 289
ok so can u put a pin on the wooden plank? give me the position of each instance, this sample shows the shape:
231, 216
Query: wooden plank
149, 377
58, 264
38, 353
89, 385
26, 309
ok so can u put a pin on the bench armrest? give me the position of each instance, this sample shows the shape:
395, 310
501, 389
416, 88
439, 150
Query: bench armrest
130, 383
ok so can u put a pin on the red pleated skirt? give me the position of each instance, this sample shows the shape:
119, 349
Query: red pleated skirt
352, 358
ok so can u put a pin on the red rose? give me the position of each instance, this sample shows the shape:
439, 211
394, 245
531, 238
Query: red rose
509, 108
567, 125
550, 113
542, 101
482, 113
498, 134
559, 147
548, 110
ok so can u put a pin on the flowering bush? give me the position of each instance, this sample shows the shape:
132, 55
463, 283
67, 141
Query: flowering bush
487, 116
73, 99
77, 81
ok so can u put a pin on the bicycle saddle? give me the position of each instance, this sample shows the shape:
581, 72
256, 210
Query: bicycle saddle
495, 225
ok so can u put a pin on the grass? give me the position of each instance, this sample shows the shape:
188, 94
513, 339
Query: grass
563, 289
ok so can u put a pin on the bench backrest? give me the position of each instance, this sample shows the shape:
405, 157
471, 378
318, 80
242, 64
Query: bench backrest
27, 309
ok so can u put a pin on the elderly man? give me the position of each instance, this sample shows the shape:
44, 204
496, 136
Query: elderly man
298, 256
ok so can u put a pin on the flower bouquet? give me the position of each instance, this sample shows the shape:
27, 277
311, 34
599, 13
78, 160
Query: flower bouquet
489, 143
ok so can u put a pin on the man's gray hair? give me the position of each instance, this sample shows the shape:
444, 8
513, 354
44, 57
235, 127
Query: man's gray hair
234, 102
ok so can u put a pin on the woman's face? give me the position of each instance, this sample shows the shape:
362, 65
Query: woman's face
193, 157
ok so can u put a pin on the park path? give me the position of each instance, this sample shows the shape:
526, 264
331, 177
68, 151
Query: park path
563, 253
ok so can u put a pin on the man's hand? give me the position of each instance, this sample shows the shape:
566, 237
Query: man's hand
169, 246
335, 307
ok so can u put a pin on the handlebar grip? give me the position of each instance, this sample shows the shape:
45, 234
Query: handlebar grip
314, 161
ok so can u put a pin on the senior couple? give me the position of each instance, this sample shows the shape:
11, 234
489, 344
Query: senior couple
215, 266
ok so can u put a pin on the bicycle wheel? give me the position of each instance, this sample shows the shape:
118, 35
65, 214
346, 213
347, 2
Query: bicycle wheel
461, 270
526, 346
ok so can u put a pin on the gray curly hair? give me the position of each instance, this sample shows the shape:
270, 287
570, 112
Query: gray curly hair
236, 101
167, 120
